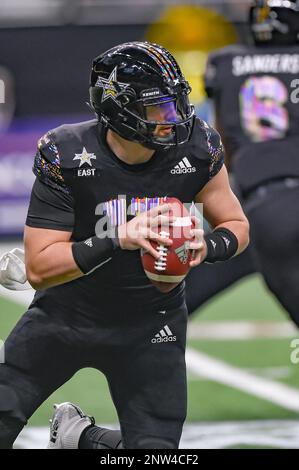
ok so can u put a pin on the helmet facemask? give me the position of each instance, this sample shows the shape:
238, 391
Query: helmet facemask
131, 119
165, 121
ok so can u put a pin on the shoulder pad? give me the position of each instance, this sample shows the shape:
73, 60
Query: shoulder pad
215, 149
47, 165
209, 142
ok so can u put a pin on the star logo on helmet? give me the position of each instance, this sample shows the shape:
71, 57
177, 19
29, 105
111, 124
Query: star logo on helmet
111, 86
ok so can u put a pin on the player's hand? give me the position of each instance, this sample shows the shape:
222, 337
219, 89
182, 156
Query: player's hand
139, 231
198, 245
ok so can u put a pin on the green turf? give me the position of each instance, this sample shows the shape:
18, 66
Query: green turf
10, 312
247, 300
89, 389
253, 353
210, 401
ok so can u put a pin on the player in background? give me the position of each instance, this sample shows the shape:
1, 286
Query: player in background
257, 114
100, 185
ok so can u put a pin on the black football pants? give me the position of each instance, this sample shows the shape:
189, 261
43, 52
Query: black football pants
274, 221
142, 355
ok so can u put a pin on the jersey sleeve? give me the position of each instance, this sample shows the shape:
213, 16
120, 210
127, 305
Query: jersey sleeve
215, 150
50, 208
51, 203
47, 164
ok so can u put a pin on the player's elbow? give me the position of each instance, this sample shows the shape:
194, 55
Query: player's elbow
35, 279
244, 235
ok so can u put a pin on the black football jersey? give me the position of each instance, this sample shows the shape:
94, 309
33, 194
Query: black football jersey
256, 91
80, 181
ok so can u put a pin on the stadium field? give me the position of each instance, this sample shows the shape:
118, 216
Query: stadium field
243, 387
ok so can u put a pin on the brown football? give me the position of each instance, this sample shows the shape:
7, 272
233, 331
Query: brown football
173, 266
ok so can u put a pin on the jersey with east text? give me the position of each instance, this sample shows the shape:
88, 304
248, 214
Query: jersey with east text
92, 184
256, 93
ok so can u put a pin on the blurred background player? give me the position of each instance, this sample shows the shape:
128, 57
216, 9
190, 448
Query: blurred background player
257, 115
94, 305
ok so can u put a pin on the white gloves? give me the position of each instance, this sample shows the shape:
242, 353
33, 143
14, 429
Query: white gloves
12, 270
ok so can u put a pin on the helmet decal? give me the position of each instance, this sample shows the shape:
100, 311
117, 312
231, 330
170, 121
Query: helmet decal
111, 87
166, 66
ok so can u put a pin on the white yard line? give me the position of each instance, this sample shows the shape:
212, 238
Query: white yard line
241, 330
226, 374
273, 433
274, 373
281, 434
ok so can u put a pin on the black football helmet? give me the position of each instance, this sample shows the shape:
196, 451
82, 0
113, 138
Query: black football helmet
133, 76
275, 22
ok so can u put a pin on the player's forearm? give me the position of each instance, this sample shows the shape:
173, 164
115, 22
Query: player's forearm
52, 266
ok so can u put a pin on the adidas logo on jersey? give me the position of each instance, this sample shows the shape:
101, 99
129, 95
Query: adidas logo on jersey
164, 336
183, 167
88, 242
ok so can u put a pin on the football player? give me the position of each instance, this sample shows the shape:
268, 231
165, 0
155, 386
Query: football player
99, 186
255, 92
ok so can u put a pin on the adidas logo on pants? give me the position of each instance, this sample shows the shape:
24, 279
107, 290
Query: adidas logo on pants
164, 336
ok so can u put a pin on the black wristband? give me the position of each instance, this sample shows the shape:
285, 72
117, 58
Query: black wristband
222, 244
92, 253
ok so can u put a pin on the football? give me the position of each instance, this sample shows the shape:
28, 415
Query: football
173, 266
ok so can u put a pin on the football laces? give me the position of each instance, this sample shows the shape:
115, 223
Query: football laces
161, 263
